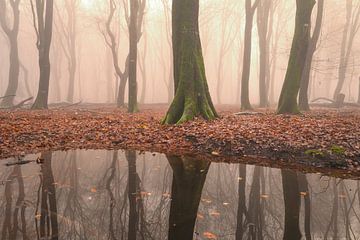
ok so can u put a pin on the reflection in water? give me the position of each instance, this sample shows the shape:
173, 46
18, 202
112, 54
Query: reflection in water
122, 195
189, 177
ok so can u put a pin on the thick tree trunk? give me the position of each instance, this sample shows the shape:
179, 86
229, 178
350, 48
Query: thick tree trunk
133, 36
305, 79
12, 34
250, 10
291, 86
292, 205
44, 42
192, 96
188, 181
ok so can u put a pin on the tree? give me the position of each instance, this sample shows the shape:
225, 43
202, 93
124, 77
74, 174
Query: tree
264, 31
352, 26
250, 11
192, 96
291, 86
68, 41
12, 35
43, 21
305, 79
358, 101
111, 42
133, 51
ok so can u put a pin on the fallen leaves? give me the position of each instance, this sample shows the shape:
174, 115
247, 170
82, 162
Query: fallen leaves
273, 136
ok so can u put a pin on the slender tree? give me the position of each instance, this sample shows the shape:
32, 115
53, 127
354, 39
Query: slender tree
11, 30
358, 101
133, 51
305, 79
250, 11
69, 31
192, 96
351, 28
291, 86
264, 26
43, 23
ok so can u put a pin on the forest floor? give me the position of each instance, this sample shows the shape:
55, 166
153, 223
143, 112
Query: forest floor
326, 141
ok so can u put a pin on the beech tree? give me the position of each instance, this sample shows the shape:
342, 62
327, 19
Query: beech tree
264, 26
43, 22
351, 28
133, 51
250, 11
192, 97
305, 79
11, 30
291, 86
68, 41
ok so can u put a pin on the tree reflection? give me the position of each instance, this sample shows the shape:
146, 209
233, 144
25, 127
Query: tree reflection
47, 197
292, 205
188, 180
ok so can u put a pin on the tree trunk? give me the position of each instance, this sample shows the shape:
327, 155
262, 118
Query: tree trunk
292, 205
264, 30
250, 10
192, 96
305, 79
304, 188
188, 181
133, 36
44, 42
358, 101
12, 35
291, 86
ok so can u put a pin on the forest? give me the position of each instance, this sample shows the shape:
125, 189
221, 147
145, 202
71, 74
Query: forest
179, 119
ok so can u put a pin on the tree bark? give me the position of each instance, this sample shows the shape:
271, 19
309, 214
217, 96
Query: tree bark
291, 86
305, 79
192, 96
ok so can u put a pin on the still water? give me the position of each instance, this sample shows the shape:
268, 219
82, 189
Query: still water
124, 195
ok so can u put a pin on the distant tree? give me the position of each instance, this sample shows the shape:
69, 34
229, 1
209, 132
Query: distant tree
359, 93
67, 27
351, 28
112, 43
133, 51
11, 30
43, 23
250, 11
291, 86
192, 96
305, 79
264, 26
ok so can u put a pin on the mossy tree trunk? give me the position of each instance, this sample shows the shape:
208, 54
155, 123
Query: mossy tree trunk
43, 22
291, 86
192, 97
304, 85
188, 181
11, 30
250, 11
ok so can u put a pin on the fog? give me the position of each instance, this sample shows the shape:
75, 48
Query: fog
222, 24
